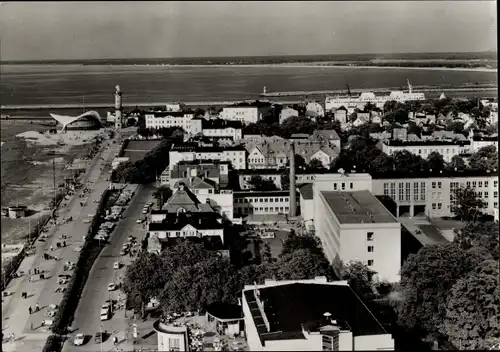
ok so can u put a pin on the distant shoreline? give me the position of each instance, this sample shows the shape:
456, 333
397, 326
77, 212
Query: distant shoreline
277, 65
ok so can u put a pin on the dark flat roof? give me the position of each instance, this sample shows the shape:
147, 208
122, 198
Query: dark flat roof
306, 190
357, 207
397, 143
226, 311
288, 307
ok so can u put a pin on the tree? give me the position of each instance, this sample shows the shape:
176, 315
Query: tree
478, 234
473, 308
161, 195
293, 243
143, 279
199, 112
265, 253
300, 163
435, 161
467, 205
485, 158
408, 163
426, 279
458, 163
401, 116
382, 164
285, 181
315, 165
359, 277
413, 128
303, 264
455, 126
259, 184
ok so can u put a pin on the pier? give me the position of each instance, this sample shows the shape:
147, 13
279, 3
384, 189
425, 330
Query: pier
378, 90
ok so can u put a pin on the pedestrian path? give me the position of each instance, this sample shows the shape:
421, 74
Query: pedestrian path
16, 319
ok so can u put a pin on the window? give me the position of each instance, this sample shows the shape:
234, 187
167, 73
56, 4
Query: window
286, 209
433, 185
351, 186
433, 195
433, 206
178, 233
210, 191
386, 189
485, 194
495, 204
343, 186
468, 184
495, 184
276, 200
474, 184
485, 183
370, 262
266, 209
440, 205
173, 344
393, 190
495, 194
480, 194
270, 200
407, 192
480, 184
440, 185
369, 236
370, 249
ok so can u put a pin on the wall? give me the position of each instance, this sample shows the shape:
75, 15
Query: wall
175, 157
251, 334
307, 210
374, 342
447, 151
386, 244
236, 157
163, 341
438, 195
244, 114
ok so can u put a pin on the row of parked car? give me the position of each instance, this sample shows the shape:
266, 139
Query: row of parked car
104, 231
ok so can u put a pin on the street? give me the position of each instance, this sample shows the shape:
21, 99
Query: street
16, 319
87, 317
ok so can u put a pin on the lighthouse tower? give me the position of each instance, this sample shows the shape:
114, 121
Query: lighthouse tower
118, 108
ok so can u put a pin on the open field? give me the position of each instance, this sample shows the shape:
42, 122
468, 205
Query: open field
136, 150
27, 174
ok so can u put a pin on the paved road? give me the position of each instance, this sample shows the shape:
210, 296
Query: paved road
87, 317
16, 318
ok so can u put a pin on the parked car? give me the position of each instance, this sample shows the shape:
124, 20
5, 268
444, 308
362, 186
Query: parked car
79, 339
139, 221
111, 286
98, 337
116, 265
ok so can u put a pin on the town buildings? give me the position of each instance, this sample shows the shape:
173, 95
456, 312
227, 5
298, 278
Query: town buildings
216, 171
168, 119
216, 128
261, 203
188, 151
448, 149
356, 226
433, 196
287, 113
244, 114
310, 315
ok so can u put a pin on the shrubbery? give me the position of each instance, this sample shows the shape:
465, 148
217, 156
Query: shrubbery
53, 344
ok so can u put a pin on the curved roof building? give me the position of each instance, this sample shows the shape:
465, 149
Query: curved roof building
89, 120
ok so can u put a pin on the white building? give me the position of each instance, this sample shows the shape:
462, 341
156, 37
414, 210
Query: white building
356, 226
287, 113
164, 119
423, 148
236, 155
433, 196
359, 101
170, 337
117, 161
244, 114
234, 133
310, 315
261, 203
307, 205
314, 110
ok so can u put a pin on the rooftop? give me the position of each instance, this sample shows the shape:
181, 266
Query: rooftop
177, 222
225, 311
261, 194
397, 143
289, 307
357, 207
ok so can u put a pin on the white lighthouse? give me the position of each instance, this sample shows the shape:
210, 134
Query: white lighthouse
118, 108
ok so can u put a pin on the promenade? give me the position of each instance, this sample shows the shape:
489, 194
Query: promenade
29, 335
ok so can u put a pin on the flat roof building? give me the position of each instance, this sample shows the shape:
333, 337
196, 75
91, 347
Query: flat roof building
356, 226
310, 315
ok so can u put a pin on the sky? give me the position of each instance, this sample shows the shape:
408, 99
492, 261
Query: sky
98, 30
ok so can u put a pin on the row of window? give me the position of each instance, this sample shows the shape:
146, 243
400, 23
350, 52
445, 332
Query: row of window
261, 200
343, 186
262, 210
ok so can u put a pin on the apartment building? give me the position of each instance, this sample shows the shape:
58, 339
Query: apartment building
356, 226
244, 114
478, 142
423, 148
217, 128
189, 152
433, 196
261, 203
310, 315
165, 119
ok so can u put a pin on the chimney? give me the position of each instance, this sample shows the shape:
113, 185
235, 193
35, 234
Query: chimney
293, 190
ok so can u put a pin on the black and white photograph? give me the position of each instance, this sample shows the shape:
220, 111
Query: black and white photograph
249, 176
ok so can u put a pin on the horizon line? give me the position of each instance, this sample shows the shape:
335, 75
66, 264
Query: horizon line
253, 56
